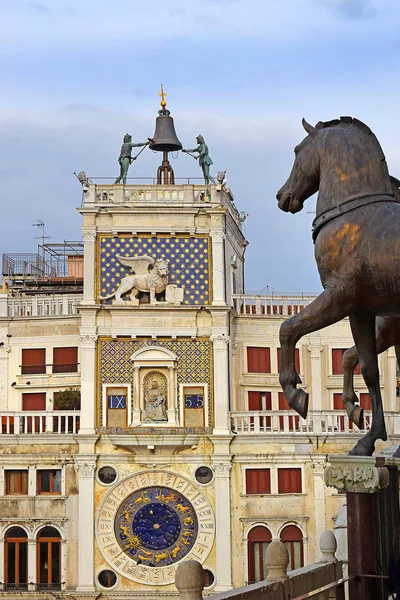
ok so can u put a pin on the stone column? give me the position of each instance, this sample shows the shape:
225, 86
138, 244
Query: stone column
88, 378
4, 355
2, 560
86, 466
218, 268
89, 267
31, 563
223, 524
361, 477
171, 408
317, 385
319, 464
221, 383
392, 400
136, 409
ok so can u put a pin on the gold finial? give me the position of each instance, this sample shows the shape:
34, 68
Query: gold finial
162, 95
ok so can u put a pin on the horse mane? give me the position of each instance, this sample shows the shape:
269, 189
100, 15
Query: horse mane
351, 121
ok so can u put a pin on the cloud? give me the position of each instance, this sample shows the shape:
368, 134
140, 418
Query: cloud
351, 9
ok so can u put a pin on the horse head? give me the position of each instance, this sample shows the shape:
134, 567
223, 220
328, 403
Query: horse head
303, 180
162, 266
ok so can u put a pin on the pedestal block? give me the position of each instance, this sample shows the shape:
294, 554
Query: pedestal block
362, 478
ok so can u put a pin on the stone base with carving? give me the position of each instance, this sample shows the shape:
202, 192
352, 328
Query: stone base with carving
359, 474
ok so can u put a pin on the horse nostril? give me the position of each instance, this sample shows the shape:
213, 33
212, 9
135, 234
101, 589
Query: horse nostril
278, 195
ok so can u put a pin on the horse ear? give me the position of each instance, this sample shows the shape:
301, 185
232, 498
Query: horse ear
309, 128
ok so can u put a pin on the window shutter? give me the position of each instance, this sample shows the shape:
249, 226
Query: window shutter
34, 401
296, 359
365, 401
254, 401
65, 360
289, 481
258, 360
258, 481
33, 361
338, 402
337, 355
283, 405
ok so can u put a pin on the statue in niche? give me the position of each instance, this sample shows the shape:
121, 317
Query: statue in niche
155, 403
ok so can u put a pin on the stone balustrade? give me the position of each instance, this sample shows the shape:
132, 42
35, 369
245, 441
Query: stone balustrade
59, 422
270, 305
56, 305
324, 579
325, 422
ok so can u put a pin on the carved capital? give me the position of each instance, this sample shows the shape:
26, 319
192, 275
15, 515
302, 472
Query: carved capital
85, 468
361, 474
88, 341
217, 236
220, 340
222, 469
89, 235
315, 351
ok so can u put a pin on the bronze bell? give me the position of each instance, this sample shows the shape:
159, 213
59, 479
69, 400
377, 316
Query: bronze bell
165, 140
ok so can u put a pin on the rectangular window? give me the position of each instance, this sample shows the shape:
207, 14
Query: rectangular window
338, 404
33, 361
292, 421
296, 359
337, 367
258, 481
259, 400
365, 401
289, 481
65, 360
49, 481
34, 401
16, 482
258, 360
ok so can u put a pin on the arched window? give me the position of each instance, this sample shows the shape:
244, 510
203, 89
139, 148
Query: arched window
16, 559
292, 537
257, 544
48, 559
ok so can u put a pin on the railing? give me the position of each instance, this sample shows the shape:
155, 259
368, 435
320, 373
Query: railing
48, 306
30, 587
42, 369
59, 422
320, 581
282, 306
327, 422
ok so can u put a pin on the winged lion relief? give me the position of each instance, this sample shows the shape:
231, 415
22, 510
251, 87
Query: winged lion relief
148, 275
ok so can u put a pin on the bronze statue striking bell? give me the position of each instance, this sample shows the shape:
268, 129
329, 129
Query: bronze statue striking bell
165, 138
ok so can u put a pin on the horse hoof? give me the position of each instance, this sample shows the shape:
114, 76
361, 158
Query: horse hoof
362, 448
298, 400
357, 416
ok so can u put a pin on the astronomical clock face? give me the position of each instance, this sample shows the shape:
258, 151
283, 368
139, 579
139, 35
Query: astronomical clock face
151, 521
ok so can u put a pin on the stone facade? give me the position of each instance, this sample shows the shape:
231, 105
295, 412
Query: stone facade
131, 496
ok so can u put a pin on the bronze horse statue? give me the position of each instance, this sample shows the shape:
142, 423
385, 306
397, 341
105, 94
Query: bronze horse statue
357, 243
387, 330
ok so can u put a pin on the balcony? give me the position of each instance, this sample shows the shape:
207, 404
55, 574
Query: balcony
271, 305
327, 423
57, 422
56, 305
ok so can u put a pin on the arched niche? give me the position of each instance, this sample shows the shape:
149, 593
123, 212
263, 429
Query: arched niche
155, 383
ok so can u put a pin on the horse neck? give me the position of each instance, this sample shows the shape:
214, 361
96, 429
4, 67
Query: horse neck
352, 164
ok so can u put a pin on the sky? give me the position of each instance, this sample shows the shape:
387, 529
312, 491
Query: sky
76, 76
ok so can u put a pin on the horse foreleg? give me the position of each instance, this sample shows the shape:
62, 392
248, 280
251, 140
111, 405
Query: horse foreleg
323, 311
350, 399
363, 329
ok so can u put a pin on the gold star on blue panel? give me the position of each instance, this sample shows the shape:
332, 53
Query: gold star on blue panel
190, 252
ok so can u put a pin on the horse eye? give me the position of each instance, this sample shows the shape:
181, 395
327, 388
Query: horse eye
297, 148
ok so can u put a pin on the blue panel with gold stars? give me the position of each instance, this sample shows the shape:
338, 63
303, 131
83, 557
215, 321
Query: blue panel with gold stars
156, 526
189, 263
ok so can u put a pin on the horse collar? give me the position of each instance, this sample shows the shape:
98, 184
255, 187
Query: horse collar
346, 206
